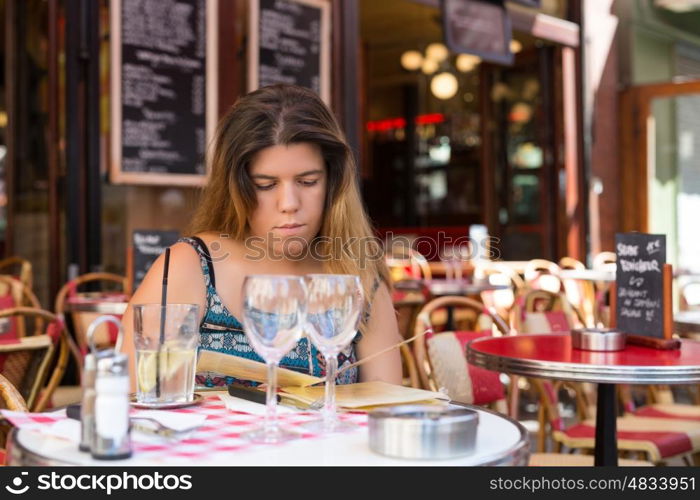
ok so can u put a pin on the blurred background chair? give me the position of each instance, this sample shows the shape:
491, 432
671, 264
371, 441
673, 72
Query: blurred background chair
14, 293
441, 357
654, 439
541, 274
580, 293
10, 399
18, 268
501, 301
35, 364
103, 287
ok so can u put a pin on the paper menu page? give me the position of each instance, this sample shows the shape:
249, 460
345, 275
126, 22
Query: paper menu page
365, 394
247, 369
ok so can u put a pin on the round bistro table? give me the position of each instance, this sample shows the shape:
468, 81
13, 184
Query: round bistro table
552, 356
499, 441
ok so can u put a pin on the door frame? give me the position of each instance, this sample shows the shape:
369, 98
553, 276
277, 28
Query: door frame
635, 109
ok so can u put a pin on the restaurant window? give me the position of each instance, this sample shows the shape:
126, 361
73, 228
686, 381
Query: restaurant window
452, 140
26, 196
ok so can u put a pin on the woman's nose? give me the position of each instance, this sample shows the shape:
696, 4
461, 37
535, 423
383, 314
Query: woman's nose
289, 198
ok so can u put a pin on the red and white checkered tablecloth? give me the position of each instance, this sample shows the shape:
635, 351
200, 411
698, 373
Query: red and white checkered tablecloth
221, 433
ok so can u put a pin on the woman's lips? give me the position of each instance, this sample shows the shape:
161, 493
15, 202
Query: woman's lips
288, 229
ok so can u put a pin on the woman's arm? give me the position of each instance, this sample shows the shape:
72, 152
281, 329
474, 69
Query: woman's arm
185, 286
382, 332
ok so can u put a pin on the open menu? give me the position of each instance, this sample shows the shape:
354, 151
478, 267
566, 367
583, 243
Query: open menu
304, 388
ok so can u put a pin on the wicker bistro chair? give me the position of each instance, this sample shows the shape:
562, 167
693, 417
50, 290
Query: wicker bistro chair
14, 293
406, 263
659, 439
581, 294
35, 364
540, 311
542, 274
10, 399
22, 267
502, 301
441, 357
77, 322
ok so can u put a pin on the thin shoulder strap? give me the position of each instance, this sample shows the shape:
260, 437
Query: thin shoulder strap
207, 256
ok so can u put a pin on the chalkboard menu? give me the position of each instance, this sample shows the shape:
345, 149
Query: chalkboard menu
480, 27
147, 246
159, 91
639, 283
290, 43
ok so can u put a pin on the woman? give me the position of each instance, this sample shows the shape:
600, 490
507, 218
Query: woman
282, 199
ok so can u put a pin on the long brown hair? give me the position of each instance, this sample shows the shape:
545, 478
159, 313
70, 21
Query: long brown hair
282, 115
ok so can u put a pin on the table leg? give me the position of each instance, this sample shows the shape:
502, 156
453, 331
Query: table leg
450, 323
606, 426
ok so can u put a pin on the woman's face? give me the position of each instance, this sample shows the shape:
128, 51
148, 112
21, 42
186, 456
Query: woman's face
290, 185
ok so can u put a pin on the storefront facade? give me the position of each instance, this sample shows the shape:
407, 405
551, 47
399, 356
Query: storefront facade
504, 149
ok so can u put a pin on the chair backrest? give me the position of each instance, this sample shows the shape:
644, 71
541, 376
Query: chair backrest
14, 293
540, 311
543, 274
10, 399
405, 263
581, 294
77, 322
605, 261
23, 266
571, 263
501, 301
35, 364
690, 296
71, 288
440, 357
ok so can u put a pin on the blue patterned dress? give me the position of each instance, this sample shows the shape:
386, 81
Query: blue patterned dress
221, 331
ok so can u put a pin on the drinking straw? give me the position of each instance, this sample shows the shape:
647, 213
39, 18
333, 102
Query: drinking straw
163, 301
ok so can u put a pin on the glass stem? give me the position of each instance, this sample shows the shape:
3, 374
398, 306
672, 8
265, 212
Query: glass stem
271, 400
329, 412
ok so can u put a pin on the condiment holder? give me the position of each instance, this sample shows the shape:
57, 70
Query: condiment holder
597, 339
423, 431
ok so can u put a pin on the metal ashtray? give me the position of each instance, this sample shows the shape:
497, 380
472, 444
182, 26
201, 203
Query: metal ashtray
423, 431
597, 339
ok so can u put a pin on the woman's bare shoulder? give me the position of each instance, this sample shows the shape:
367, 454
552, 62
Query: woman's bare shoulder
225, 250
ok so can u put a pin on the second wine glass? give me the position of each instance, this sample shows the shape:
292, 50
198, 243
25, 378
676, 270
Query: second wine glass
334, 304
274, 311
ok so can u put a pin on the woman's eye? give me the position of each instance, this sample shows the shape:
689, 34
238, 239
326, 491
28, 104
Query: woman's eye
309, 182
264, 187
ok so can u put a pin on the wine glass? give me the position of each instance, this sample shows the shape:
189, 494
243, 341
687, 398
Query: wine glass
274, 312
334, 305
449, 255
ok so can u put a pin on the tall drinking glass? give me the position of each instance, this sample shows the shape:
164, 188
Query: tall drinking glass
334, 305
274, 313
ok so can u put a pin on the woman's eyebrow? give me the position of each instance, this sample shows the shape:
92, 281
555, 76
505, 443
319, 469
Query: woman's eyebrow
311, 172
273, 177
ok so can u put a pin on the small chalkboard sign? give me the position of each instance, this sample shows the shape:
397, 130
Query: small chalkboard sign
147, 245
480, 27
163, 90
290, 43
640, 298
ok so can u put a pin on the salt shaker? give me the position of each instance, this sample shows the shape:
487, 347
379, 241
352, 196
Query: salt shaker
87, 407
112, 438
